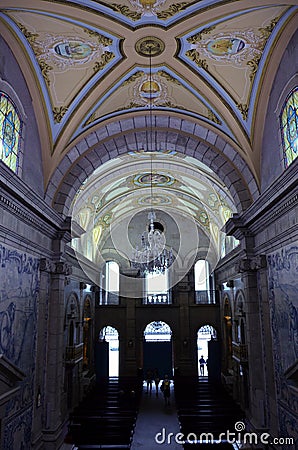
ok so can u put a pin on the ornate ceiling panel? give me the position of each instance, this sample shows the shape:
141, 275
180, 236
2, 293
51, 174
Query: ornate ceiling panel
229, 52
70, 58
86, 65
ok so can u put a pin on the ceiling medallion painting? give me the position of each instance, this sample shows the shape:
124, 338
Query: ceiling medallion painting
230, 52
65, 52
157, 179
233, 48
152, 88
157, 200
149, 46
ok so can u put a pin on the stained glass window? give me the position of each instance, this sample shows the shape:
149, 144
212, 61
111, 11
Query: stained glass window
289, 127
10, 132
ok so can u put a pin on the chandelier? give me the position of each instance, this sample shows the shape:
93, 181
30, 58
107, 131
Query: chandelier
152, 257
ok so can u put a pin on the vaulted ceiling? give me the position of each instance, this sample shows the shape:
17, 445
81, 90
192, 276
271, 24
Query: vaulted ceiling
87, 68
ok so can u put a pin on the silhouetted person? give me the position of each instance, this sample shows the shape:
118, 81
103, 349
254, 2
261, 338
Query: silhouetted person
156, 380
166, 389
149, 380
202, 365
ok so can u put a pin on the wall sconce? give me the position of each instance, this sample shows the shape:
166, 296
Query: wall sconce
130, 343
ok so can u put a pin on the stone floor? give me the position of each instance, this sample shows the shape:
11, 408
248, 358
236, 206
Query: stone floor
155, 423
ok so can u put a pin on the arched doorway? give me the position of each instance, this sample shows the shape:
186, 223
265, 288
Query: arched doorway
157, 348
108, 352
207, 350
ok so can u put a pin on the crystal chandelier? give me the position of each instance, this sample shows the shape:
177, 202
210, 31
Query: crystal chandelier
152, 257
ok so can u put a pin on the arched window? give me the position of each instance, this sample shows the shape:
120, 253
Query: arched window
289, 127
112, 283
10, 132
157, 288
202, 284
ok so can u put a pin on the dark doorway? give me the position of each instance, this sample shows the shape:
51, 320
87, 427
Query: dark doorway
157, 348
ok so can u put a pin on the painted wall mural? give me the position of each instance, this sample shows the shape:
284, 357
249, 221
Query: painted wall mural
19, 281
283, 300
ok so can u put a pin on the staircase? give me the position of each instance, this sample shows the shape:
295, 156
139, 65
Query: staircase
206, 412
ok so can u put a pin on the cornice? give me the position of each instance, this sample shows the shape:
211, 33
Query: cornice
282, 192
25, 205
275, 202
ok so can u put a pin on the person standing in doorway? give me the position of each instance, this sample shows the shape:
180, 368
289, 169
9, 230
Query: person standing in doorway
149, 380
166, 389
202, 365
156, 380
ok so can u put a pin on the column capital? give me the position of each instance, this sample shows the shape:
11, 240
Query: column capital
62, 268
46, 265
58, 267
252, 264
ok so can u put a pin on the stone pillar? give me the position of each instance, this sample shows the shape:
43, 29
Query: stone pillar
39, 404
184, 346
255, 340
129, 342
55, 397
271, 420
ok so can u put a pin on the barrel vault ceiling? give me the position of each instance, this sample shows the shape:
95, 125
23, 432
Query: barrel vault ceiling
86, 65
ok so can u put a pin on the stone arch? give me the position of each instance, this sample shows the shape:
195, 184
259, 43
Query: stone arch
129, 134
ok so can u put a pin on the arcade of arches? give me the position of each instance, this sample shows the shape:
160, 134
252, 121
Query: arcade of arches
94, 135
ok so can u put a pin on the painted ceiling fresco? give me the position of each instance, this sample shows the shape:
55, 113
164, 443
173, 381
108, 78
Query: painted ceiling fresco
123, 186
88, 59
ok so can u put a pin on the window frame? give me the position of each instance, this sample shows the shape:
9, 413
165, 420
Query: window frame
10, 93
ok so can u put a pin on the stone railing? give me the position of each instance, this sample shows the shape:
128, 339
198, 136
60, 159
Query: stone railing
239, 352
74, 354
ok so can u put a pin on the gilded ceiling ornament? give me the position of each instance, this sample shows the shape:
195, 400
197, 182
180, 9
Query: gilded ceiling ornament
133, 77
147, 7
45, 68
203, 218
243, 109
149, 46
31, 37
58, 113
213, 117
173, 9
213, 200
148, 89
125, 11
106, 57
198, 36
168, 77
254, 64
90, 119
266, 31
103, 40
195, 57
